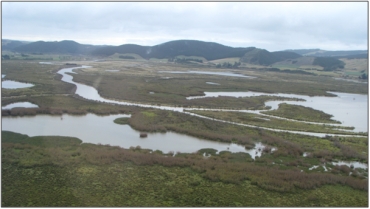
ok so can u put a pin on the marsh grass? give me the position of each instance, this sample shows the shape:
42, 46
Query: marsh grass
122, 121
255, 119
58, 171
298, 112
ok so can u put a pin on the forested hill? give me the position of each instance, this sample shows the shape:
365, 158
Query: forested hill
264, 57
208, 50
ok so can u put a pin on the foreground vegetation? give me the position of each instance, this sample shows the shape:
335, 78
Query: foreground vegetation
59, 171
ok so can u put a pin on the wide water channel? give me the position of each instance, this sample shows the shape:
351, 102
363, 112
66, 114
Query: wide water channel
95, 129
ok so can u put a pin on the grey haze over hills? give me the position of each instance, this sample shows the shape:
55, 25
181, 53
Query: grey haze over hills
171, 49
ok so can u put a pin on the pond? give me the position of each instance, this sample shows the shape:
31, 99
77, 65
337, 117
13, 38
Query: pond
95, 129
14, 85
208, 73
349, 109
19, 104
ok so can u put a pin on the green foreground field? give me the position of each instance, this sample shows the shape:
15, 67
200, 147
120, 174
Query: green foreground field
59, 171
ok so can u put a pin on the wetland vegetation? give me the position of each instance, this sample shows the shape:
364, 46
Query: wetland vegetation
62, 171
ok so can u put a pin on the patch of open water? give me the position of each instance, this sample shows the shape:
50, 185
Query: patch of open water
8, 84
208, 73
19, 104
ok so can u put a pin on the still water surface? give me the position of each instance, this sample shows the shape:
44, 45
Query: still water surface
95, 129
14, 85
349, 109
208, 73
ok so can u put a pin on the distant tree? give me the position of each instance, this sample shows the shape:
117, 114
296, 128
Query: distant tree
329, 63
363, 76
236, 64
126, 57
5, 57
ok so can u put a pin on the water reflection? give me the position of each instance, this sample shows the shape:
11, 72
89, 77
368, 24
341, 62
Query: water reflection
95, 129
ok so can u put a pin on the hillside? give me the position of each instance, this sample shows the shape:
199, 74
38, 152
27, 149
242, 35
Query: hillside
208, 50
11, 44
264, 57
62, 47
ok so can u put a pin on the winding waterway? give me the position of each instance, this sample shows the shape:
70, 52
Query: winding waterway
91, 93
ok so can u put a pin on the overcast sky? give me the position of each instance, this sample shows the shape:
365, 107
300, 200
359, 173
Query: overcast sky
269, 25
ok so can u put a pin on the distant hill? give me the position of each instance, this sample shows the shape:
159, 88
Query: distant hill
123, 49
327, 63
62, 47
355, 56
9, 45
208, 50
324, 53
264, 57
